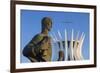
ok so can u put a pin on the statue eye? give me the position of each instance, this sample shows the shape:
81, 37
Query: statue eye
40, 50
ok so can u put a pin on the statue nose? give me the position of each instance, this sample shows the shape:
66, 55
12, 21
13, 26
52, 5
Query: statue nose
44, 52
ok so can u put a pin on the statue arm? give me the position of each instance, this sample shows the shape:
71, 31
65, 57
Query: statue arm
28, 50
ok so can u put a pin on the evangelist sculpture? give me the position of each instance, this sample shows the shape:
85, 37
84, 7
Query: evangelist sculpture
39, 49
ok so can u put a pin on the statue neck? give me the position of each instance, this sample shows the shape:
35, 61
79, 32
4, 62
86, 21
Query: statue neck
45, 32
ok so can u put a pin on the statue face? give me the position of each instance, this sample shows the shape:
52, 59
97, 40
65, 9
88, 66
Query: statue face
46, 54
49, 26
47, 23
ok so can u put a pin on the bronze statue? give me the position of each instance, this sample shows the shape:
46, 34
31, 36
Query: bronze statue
39, 48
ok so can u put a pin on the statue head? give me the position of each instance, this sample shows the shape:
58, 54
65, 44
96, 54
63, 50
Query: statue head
46, 23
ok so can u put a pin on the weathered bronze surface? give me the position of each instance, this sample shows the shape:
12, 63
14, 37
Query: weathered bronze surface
39, 48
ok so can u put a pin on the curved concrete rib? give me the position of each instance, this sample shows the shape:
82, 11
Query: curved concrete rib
66, 46
78, 51
73, 51
80, 47
71, 46
75, 47
60, 40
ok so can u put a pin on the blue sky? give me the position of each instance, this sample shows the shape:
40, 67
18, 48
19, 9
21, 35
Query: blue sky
31, 25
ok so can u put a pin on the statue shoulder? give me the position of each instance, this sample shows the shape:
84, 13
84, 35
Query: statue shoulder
37, 38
